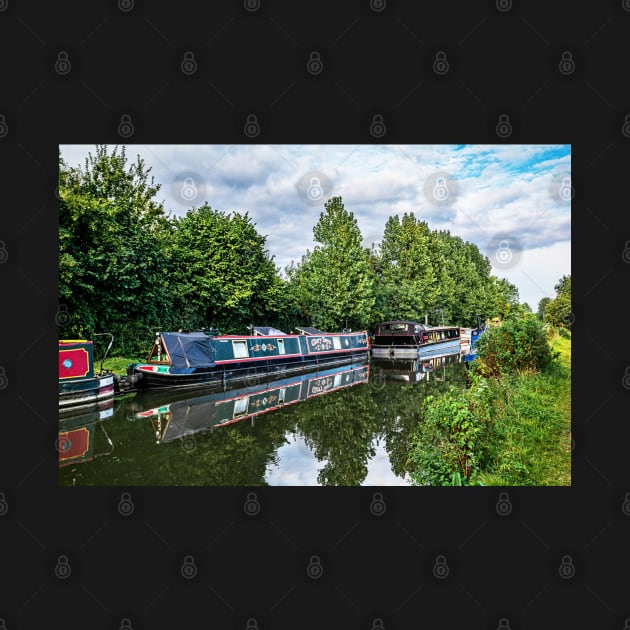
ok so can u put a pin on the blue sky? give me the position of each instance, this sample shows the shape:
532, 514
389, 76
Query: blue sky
512, 201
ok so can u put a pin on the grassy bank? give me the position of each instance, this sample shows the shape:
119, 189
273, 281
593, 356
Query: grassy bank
118, 365
506, 431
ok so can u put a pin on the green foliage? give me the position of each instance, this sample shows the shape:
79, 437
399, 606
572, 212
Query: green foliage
334, 282
518, 345
558, 310
450, 441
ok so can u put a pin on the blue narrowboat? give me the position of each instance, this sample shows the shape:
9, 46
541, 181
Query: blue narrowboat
180, 359
475, 333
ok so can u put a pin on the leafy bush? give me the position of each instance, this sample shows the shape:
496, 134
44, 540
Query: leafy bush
518, 345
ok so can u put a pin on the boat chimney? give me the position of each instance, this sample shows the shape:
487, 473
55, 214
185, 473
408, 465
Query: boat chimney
426, 319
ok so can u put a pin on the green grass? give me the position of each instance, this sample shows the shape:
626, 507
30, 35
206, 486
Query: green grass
523, 429
118, 365
531, 440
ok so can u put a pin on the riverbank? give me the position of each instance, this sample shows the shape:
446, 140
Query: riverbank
513, 431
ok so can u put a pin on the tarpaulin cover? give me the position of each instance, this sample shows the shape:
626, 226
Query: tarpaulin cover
193, 349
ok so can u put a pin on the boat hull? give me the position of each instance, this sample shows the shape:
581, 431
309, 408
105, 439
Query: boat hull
413, 351
153, 376
86, 392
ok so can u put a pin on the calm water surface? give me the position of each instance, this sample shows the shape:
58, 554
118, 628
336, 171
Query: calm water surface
346, 426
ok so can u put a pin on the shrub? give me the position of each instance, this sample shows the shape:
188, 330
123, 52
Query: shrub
518, 345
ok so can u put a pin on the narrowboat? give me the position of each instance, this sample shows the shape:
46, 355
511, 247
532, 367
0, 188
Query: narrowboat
193, 359
177, 414
77, 430
79, 383
408, 339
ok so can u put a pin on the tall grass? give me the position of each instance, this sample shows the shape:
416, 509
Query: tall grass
512, 427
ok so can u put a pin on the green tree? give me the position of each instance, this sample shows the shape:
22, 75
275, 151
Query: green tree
542, 307
335, 281
111, 249
221, 273
558, 310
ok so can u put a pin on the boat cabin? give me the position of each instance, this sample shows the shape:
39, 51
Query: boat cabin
409, 333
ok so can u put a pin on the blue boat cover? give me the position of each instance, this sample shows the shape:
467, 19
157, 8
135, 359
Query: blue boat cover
193, 349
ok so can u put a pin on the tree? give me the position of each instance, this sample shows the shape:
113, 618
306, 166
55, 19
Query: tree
111, 249
335, 281
542, 307
221, 273
558, 310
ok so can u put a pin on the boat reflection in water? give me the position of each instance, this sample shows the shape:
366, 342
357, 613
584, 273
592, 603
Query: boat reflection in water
174, 416
418, 369
77, 431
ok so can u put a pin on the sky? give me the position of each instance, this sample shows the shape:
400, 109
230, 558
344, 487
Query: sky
512, 201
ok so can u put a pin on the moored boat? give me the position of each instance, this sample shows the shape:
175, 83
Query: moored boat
417, 369
409, 339
79, 383
195, 359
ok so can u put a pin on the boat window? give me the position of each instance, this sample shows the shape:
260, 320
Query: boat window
337, 343
416, 329
281, 395
281, 349
240, 406
240, 349
337, 381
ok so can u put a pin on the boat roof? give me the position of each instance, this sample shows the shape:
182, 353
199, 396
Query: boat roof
309, 330
412, 323
194, 349
266, 331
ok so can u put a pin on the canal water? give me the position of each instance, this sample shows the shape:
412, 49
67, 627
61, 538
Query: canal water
344, 426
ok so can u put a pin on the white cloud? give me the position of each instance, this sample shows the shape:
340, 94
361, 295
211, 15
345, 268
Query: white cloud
502, 189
